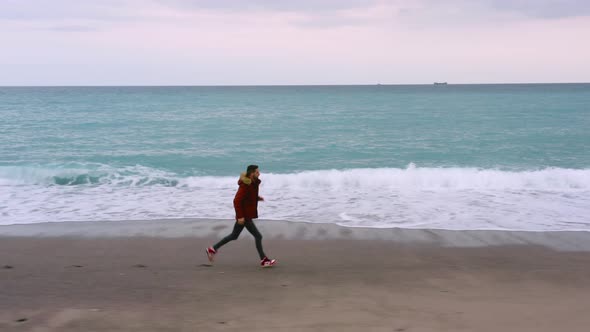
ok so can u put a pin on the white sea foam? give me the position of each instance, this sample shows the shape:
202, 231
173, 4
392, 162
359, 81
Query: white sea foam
413, 197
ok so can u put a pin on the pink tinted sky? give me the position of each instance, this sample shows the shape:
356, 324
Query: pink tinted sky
224, 42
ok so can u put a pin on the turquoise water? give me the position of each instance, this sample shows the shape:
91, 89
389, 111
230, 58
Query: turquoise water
369, 155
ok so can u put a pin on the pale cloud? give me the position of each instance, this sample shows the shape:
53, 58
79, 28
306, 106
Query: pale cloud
290, 42
270, 5
543, 8
30, 10
71, 28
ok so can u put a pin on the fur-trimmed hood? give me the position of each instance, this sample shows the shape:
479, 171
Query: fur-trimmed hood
244, 179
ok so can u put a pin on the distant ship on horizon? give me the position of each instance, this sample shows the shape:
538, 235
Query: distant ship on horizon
440, 83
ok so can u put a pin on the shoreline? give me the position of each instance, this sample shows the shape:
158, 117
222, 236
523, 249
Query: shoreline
272, 229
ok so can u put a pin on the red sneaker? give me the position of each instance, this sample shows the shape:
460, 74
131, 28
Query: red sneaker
210, 253
266, 262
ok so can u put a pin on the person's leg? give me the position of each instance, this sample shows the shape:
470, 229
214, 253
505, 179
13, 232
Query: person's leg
257, 236
233, 236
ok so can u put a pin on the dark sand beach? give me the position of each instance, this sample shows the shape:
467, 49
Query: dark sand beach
154, 276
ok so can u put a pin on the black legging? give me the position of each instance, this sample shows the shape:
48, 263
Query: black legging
249, 224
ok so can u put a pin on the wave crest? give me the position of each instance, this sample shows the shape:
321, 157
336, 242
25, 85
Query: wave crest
408, 178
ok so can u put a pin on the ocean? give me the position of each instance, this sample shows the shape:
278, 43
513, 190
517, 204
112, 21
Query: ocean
502, 157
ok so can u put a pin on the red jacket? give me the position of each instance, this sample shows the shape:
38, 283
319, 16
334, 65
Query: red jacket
246, 200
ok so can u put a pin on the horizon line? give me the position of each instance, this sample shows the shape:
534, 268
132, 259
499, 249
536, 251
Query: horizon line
282, 85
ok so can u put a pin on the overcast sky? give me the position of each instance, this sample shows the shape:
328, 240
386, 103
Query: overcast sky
223, 42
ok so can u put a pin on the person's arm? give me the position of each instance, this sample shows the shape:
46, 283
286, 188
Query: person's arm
238, 203
260, 198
